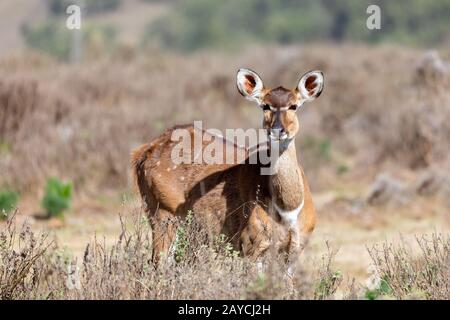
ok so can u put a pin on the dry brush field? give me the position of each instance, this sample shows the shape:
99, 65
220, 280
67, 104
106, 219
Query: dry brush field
374, 147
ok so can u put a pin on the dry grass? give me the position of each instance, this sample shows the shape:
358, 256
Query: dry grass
422, 276
21, 251
34, 267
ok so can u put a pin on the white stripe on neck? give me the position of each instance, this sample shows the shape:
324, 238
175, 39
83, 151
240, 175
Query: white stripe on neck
290, 216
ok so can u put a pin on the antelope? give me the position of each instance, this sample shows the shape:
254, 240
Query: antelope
255, 211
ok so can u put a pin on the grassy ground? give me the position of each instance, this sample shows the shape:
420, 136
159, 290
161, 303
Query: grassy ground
349, 234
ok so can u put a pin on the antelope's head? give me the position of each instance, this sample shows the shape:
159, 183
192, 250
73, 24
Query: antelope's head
280, 104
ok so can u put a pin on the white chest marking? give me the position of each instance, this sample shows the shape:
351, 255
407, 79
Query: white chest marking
290, 217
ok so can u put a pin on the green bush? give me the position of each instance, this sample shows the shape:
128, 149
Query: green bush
328, 285
161, 1
57, 197
321, 148
5, 147
181, 242
8, 201
194, 24
54, 38
383, 289
50, 36
89, 6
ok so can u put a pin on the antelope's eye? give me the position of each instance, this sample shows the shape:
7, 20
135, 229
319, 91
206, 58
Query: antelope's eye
266, 107
293, 107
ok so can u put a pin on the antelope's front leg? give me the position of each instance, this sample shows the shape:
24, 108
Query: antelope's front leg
296, 241
256, 236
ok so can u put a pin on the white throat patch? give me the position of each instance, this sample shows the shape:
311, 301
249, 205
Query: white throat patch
290, 217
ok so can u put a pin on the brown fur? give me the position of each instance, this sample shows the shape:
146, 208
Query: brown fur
280, 97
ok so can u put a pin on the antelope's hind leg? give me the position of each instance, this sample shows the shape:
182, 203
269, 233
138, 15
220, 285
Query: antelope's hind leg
164, 225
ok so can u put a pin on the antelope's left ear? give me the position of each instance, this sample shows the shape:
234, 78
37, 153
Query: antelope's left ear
310, 85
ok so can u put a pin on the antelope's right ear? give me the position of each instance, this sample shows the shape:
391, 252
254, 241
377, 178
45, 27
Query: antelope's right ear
249, 85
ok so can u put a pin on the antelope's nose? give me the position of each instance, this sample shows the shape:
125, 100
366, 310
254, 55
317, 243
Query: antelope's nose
277, 131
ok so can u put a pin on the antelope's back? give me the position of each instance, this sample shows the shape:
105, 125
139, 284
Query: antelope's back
178, 186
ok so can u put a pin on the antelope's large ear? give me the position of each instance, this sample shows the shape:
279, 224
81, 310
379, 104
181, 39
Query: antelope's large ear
249, 85
310, 85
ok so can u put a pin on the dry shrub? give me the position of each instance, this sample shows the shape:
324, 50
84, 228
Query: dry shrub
330, 279
30, 113
32, 267
28, 106
388, 190
21, 252
18, 100
434, 182
422, 134
425, 276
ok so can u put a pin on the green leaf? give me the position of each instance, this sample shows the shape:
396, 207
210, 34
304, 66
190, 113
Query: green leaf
57, 197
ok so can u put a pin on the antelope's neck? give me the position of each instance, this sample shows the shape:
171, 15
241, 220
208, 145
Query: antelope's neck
286, 184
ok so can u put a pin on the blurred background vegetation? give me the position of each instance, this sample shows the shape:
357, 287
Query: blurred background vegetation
233, 22
189, 25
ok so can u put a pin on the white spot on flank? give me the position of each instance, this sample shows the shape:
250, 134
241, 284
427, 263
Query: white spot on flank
182, 178
168, 169
158, 163
174, 167
290, 217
